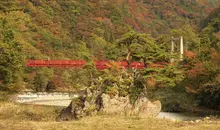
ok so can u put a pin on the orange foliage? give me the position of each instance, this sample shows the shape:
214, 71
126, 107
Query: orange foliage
167, 12
197, 69
133, 23
191, 90
23, 28
108, 22
156, 65
83, 29
99, 19
182, 12
32, 75
215, 56
189, 54
217, 35
151, 82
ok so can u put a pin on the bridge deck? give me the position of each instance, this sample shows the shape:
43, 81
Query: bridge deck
81, 63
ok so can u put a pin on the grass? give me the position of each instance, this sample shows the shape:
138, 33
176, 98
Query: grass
29, 117
11, 111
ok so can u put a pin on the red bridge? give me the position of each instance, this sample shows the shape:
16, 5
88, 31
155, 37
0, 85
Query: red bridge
98, 64
81, 63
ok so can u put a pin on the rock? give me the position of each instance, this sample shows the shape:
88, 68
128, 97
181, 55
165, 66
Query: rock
145, 108
128, 110
65, 114
74, 111
114, 105
121, 106
100, 102
149, 109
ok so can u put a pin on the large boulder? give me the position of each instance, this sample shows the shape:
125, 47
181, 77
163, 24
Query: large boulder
106, 104
122, 106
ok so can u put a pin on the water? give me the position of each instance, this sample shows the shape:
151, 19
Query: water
180, 116
43, 98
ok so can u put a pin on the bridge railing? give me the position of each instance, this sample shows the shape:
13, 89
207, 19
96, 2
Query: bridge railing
81, 63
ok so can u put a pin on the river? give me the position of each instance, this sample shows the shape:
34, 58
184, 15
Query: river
181, 116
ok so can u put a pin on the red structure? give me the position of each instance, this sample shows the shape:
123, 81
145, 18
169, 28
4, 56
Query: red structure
80, 63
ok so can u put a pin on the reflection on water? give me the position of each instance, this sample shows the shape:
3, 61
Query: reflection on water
181, 116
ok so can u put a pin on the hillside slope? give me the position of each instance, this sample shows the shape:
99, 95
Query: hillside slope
53, 27
82, 29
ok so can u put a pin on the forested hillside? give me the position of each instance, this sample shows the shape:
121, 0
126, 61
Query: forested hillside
54, 28
110, 30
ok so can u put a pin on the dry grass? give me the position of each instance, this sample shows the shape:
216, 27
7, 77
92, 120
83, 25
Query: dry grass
15, 117
11, 111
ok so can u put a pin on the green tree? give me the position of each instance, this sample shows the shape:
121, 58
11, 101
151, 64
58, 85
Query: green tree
12, 58
140, 47
42, 79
